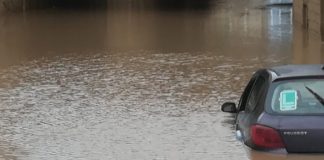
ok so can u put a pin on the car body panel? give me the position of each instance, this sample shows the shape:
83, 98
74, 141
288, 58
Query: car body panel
300, 134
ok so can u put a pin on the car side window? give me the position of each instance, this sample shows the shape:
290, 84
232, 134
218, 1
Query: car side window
255, 94
246, 94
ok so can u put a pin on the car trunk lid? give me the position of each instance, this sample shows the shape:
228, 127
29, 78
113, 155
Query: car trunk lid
303, 134
300, 134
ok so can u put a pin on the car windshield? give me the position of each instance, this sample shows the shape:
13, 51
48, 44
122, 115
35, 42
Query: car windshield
301, 96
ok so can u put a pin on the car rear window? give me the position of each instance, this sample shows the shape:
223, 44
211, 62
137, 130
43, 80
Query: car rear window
301, 96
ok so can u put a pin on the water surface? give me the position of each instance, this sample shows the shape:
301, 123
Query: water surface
136, 82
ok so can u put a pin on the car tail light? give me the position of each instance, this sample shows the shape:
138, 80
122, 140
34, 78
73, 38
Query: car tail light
266, 137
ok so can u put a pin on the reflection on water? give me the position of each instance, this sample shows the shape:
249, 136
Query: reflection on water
133, 82
227, 30
254, 155
307, 48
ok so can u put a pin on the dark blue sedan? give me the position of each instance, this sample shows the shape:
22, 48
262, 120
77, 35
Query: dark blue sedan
282, 108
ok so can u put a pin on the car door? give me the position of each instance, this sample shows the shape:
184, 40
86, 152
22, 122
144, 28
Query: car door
247, 108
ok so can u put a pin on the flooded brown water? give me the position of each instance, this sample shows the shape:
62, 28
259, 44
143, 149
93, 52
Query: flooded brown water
138, 82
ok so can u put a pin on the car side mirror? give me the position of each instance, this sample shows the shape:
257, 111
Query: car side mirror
229, 107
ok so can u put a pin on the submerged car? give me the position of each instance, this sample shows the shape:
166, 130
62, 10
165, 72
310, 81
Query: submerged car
282, 108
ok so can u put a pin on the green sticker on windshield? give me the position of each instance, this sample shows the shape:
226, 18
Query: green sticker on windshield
288, 100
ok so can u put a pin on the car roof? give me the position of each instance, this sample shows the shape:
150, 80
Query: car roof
295, 71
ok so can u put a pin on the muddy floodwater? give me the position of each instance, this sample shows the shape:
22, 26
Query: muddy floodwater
138, 83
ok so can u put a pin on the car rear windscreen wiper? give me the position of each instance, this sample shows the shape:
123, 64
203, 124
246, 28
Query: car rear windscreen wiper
317, 96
